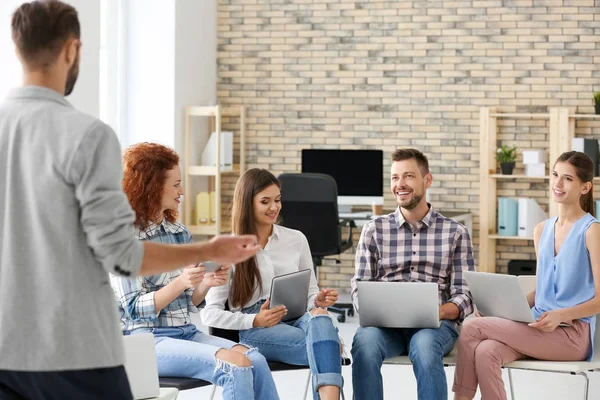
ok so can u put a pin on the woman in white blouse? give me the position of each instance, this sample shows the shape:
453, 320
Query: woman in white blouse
309, 340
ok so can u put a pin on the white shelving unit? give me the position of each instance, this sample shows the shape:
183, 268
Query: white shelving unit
561, 132
213, 173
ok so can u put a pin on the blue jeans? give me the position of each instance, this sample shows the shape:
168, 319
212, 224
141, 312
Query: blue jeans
425, 347
308, 340
184, 351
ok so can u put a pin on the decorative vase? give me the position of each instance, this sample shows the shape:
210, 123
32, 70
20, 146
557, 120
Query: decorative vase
507, 168
597, 108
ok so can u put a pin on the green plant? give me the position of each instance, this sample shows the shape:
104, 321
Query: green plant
597, 98
506, 154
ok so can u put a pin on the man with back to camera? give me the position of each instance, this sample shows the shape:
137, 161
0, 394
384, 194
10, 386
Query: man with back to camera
64, 224
413, 244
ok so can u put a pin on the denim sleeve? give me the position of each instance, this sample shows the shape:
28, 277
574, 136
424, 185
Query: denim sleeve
106, 216
135, 299
365, 261
462, 260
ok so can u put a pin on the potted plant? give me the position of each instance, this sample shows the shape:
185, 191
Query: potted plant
506, 156
597, 102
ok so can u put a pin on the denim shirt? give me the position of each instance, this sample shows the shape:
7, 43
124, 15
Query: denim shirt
135, 296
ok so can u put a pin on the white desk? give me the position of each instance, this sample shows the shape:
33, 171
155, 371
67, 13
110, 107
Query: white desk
362, 217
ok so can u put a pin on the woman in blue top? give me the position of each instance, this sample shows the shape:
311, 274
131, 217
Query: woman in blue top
567, 292
161, 304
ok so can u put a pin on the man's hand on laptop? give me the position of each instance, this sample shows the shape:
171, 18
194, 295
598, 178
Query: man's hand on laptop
326, 298
267, 318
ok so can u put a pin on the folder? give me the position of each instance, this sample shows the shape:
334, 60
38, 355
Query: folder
530, 214
508, 217
589, 147
203, 208
209, 156
212, 207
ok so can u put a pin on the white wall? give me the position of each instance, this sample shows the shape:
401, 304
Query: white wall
86, 94
195, 60
149, 76
10, 68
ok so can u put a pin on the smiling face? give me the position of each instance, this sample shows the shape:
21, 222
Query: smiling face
408, 183
267, 205
567, 188
172, 190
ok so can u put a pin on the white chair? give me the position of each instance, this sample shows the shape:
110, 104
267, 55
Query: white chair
142, 370
527, 283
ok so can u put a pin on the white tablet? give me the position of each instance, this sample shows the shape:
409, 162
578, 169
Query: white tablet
291, 291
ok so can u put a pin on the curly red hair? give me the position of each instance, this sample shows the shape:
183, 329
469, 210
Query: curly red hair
145, 172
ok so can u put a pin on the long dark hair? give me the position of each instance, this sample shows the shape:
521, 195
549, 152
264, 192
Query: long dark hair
584, 167
246, 275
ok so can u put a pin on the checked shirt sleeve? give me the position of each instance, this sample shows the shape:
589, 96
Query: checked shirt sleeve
462, 260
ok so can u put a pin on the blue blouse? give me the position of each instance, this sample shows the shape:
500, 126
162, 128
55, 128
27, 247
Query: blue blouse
565, 280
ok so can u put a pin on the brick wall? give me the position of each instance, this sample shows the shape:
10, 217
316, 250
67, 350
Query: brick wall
389, 74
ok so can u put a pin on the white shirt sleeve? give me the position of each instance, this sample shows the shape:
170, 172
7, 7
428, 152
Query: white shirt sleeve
306, 262
214, 313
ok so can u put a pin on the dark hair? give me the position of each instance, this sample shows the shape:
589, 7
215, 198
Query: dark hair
41, 28
409, 154
584, 167
246, 275
145, 168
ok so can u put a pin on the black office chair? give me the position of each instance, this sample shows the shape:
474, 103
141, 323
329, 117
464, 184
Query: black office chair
234, 336
309, 204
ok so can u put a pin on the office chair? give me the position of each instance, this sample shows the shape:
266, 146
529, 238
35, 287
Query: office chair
309, 204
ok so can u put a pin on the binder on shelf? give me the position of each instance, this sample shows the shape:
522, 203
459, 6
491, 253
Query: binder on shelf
202, 208
508, 217
589, 147
209, 157
212, 207
530, 214
597, 209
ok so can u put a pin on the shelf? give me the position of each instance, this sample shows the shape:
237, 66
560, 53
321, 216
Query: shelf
205, 170
525, 177
587, 116
520, 115
208, 229
209, 111
496, 236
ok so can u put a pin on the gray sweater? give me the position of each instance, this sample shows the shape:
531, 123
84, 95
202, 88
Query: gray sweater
64, 224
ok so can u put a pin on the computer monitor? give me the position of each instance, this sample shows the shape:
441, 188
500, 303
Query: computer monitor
358, 174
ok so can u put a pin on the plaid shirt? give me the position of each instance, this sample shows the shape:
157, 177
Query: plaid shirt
135, 296
437, 250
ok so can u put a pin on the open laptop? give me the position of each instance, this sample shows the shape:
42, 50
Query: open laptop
291, 290
140, 365
398, 304
499, 295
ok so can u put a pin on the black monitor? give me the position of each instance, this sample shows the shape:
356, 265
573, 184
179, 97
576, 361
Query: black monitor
358, 173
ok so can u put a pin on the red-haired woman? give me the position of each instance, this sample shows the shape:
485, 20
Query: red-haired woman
161, 304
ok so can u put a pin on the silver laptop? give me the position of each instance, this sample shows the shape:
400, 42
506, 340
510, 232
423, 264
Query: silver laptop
140, 365
398, 304
499, 295
291, 290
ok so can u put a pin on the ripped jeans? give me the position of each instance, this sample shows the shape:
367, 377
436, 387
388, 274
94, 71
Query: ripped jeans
308, 340
184, 351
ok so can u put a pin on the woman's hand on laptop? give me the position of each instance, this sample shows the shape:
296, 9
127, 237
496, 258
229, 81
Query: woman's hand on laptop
267, 318
326, 298
548, 321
